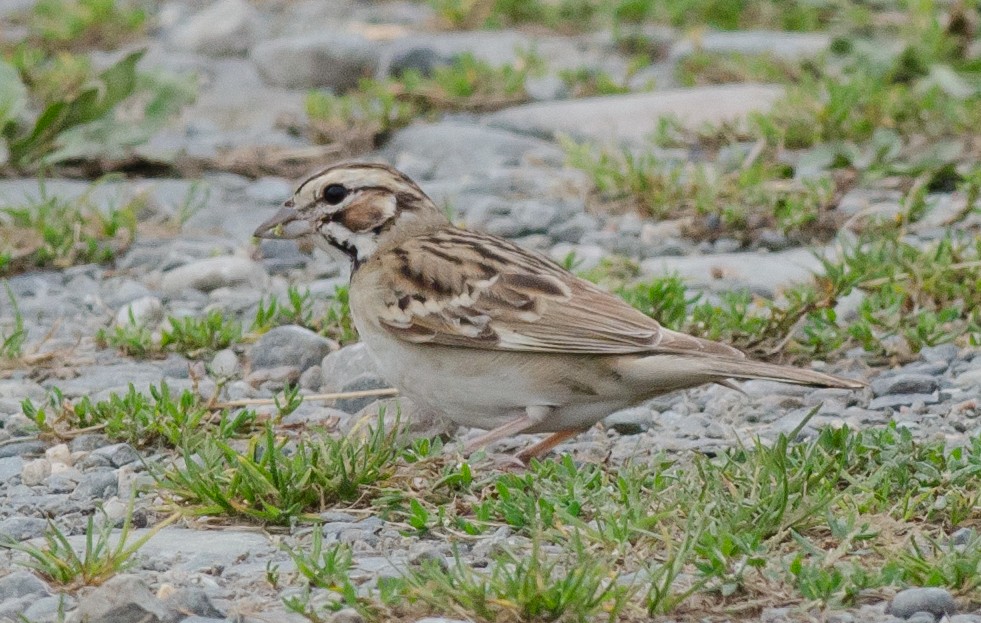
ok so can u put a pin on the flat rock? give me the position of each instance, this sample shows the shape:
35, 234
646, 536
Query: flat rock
452, 149
904, 384
631, 118
19, 584
342, 367
95, 379
123, 599
937, 601
290, 345
213, 273
763, 273
786, 45
227, 27
337, 60
10, 466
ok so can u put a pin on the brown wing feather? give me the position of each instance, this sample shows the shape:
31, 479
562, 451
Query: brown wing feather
459, 288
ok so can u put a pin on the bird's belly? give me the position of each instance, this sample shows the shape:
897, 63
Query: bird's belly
486, 388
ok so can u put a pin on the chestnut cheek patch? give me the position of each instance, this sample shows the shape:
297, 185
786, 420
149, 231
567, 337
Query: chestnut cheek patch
370, 210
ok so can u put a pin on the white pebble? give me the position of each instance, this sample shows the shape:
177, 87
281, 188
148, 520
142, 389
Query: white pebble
34, 472
59, 454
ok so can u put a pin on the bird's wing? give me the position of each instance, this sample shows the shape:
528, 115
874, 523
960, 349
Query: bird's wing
459, 288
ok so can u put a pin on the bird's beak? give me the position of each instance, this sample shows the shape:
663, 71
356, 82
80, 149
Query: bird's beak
285, 224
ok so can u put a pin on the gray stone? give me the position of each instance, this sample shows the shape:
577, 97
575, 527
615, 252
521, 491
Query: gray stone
31, 446
631, 421
965, 618
98, 378
10, 467
311, 378
892, 401
123, 599
572, 229
191, 600
22, 528
290, 345
441, 620
227, 27
922, 617
453, 149
904, 384
343, 366
944, 353
146, 311
224, 363
35, 472
87, 442
971, 378
337, 60
422, 60
213, 273
97, 485
347, 615
762, 273
546, 88
118, 454
20, 584
49, 609
633, 117
937, 601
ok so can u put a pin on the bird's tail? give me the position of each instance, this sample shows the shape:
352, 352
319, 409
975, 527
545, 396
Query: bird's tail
748, 369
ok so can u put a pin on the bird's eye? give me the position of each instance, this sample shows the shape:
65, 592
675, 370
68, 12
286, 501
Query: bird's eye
334, 194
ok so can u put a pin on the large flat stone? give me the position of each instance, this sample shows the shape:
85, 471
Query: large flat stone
632, 118
762, 273
786, 45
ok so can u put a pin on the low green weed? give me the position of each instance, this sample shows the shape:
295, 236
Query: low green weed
141, 420
702, 68
276, 480
57, 232
12, 339
197, 336
81, 24
104, 554
359, 119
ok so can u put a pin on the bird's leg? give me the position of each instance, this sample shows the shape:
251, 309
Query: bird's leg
541, 448
533, 415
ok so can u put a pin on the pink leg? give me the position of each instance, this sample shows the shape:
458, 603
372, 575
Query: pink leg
542, 448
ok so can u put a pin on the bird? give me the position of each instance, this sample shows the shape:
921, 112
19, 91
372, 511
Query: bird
491, 335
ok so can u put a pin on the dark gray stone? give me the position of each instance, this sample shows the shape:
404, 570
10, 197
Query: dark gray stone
97, 485
21, 448
48, 609
944, 353
290, 345
353, 405
904, 384
192, 601
630, 421
421, 59
88, 442
922, 617
227, 27
937, 601
118, 454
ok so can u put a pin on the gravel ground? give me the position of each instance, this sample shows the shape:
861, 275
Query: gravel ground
502, 172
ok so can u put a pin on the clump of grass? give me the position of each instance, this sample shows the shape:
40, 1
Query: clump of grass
196, 336
701, 68
333, 320
918, 295
12, 338
360, 119
823, 521
141, 420
131, 338
83, 24
580, 15
746, 197
104, 554
276, 480
57, 232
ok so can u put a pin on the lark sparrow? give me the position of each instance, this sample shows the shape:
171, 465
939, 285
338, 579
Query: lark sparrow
487, 333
